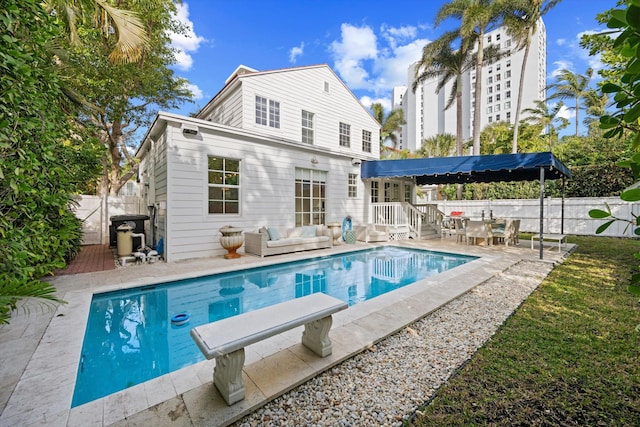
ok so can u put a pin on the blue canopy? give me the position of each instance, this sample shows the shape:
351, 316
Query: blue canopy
465, 169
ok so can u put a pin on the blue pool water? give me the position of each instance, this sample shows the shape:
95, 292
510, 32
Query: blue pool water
130, 338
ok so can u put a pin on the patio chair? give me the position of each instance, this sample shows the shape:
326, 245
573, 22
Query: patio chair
508, 234
460, 230
479, 230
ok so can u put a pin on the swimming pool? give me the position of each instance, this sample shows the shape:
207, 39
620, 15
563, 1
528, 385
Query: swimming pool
130, 338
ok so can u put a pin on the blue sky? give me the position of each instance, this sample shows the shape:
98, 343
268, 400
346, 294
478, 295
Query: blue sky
369, 44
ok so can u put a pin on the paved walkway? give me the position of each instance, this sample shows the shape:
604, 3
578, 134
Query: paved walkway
92, 258
40, 351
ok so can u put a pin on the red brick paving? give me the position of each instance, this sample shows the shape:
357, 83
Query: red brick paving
91, 258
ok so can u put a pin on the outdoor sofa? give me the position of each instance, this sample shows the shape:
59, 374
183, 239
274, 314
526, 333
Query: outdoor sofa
274, 241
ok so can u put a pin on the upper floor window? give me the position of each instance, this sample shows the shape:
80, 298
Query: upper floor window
490, 79
507, 94
345, 135
507, 84
507, 43
307, 127
261, 110
497, 37
366, 141
508, 63
352, 185
223, 185
267, 112
507, 75
326, 87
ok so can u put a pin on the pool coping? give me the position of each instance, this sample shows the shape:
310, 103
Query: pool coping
272, 366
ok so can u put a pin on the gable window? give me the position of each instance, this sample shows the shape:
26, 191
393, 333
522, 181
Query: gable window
366, 141
267, 112
352, 185
223, 185
345, 135
274, 114
261, 110
307, 127
310, 196
326, 87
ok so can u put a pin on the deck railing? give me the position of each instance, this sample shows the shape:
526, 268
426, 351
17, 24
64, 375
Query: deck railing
405, 215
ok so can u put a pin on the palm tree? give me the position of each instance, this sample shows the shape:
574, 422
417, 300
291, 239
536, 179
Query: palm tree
571, 85
391, 124
477, 17
441, 145
521, 22
440, 61
545, 117
131, 36
595, 104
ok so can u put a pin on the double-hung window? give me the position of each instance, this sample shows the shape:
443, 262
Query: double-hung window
307, 127
345, 135
366, 141
223, 185
267, 112
352, 185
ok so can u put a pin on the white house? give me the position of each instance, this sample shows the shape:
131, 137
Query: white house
275, 148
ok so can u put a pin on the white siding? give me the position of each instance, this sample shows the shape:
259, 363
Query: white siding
303, 89
267, 188
229, 111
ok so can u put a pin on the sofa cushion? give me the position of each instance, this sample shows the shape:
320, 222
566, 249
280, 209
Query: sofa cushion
296, 232
309, 231
274, 234
293, 241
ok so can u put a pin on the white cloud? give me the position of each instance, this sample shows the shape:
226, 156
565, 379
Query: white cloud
566, 113
560, 65
357, 45
295, 52
561, 42
367, 101
185, 43
195, 90
377, 64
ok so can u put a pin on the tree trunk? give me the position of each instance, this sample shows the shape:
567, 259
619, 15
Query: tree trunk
476, 108
577, 113
516, 124
459, 126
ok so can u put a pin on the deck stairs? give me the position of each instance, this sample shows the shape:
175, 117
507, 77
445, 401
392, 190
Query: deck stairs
408, 221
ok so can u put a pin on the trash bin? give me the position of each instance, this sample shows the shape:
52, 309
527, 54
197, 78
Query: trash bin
125, 240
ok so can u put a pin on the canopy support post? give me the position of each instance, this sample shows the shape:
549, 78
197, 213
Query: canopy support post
562, 212
541, 209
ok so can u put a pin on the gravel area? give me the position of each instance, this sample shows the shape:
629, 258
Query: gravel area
385, 384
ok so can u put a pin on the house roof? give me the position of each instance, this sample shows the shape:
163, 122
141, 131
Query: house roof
242, 72
466, 169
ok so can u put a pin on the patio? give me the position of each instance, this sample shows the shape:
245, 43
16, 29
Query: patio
41, 352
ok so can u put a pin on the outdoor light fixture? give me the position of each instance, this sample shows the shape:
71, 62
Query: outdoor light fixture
314, 160
189, 129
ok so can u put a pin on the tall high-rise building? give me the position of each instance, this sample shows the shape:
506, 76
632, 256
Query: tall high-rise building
425, 112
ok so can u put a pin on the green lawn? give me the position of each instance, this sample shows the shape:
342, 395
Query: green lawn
569, 356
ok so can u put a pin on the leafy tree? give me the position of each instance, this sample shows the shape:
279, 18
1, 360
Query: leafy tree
545, 117
122, 29
496, 138
476, 17
43, 159
126, 95
570, 85
521, 21
391, 124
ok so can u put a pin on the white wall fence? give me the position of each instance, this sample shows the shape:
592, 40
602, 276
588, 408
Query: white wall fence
576, 213
95, 213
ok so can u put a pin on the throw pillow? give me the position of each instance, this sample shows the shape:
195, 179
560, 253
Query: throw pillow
273, 234
309, 231
296, 232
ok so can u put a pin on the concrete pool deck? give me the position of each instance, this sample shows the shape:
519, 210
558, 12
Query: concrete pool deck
41, 351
